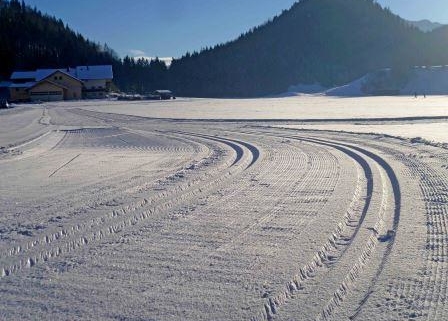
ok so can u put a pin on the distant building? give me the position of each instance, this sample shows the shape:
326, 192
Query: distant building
96, 79
61, 84
18, 92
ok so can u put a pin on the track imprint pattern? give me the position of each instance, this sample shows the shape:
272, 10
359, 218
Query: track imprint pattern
194, 220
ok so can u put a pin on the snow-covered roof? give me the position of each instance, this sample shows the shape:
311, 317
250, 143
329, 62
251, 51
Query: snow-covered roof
17, 75
45, 73
5, 84
23, 85
94, 72
80, 72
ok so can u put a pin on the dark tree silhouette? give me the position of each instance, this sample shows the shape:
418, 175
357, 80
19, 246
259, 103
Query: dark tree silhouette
330, 42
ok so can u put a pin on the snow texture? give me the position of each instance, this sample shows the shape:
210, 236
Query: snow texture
200, 209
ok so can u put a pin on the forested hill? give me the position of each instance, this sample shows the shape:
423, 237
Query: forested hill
329, 42
29, 40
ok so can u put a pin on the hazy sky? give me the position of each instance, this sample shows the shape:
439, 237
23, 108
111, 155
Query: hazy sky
168, 28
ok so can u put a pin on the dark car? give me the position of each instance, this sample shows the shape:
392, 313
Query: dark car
4, 104
151, 97
164, 94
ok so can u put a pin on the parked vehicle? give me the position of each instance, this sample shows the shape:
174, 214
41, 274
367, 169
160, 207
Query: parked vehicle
164, 94
4, 104
130, 97
156, 95
151, 97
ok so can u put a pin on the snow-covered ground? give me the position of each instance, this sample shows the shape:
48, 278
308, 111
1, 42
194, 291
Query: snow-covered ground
427, 80
166, 211
420, 80
289, 108
353, 89
402, 116
431, 131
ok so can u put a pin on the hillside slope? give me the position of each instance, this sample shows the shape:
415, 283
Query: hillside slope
419, 80
329, 42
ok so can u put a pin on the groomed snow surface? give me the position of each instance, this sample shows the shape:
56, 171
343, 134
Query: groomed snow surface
289, 108
197, 209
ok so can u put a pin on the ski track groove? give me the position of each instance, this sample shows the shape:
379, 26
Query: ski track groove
272, 306
424, 296
116, 179
427, 292
85, 233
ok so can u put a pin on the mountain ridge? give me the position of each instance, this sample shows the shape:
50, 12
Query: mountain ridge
426, 25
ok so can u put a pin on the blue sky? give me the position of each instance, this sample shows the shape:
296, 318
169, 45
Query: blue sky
170, 28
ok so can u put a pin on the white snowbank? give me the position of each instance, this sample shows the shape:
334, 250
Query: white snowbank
352, 89
431, 131
430, 81
306, 89
422, 80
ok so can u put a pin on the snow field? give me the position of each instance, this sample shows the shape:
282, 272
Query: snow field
122, 216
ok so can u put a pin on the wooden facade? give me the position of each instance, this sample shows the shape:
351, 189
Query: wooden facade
73, 86
18, 94
47, 91
55, 87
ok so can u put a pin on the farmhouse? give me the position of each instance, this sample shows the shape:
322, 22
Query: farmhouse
61, 84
